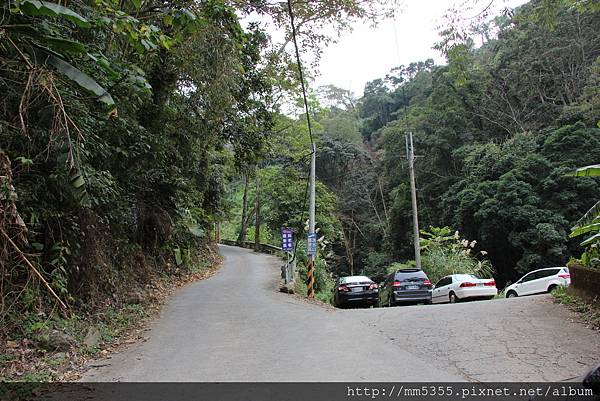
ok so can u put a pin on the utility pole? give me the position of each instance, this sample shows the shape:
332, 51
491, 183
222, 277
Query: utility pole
257, 222
312, 240
311, 226
410, 155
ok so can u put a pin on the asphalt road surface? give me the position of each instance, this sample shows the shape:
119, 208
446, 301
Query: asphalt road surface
235, 326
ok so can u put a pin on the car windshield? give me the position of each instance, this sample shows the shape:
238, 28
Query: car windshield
355, 280
411, 275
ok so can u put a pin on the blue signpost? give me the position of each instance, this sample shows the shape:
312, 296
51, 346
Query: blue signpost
312, 244
287, 242
287, 245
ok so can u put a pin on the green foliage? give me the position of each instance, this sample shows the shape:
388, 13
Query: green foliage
445, 252
496, 133
588, 171
589, 224
589, 312
110, 199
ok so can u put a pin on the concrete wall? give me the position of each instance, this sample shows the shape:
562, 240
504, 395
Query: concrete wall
585, 281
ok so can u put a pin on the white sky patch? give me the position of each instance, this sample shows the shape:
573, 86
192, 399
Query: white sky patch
369, 53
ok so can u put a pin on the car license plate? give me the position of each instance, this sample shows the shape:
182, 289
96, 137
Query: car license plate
356, 289
412, 287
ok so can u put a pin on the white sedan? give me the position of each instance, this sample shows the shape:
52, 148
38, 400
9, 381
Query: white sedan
538, 281
463, 286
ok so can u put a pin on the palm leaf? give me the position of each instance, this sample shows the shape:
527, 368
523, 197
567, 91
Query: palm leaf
594, 227
55, 43
591, 216
37, 8
82, 79
588, 171
591, 240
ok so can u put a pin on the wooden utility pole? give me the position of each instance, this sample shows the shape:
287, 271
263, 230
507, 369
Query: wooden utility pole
410, 155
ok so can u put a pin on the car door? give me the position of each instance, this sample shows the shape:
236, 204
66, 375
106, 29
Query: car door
526, 285
543, 279
441, 290
538, 283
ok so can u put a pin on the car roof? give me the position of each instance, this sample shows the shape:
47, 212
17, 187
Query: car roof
418, 272
547, 268
354, 279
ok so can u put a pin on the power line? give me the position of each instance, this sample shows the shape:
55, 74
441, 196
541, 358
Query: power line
299, 62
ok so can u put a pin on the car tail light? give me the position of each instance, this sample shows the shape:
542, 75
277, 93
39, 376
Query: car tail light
564, 275
373, 286
396, 284
343, 288
427, 283
467, 284
490, 283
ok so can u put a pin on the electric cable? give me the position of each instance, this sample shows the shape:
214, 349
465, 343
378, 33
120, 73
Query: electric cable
299, 62
306, 109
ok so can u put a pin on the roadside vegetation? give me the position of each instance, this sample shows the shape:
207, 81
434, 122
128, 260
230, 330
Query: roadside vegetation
131, 132
587, 310
498, 130
122, 127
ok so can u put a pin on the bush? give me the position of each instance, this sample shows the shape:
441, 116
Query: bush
444, 253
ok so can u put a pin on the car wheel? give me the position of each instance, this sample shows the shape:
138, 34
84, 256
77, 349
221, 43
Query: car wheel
453, 298
511, 294
552, 287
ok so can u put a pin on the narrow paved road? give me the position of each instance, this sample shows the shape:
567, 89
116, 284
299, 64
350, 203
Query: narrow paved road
235, 326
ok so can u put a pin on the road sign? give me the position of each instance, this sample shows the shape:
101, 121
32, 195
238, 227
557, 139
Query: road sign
312, 244
287, 243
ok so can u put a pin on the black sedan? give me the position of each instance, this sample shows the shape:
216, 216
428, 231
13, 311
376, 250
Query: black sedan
355, 290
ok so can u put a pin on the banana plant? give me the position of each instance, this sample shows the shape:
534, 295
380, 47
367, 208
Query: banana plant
45, 48
589, 224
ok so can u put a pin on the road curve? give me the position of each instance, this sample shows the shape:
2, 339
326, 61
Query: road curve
235, 326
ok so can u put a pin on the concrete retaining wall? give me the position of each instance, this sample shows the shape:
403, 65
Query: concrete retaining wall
585, 281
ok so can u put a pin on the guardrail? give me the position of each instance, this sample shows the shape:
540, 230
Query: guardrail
287, 270
265, 248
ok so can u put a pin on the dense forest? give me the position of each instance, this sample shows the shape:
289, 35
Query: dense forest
498, 130
129, 130
122, 124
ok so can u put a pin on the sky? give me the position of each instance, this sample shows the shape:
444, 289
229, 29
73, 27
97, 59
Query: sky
369, 53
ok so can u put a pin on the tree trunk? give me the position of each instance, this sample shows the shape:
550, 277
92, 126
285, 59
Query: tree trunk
241, 239
257, 222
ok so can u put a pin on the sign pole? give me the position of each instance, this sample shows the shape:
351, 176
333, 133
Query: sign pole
287, 245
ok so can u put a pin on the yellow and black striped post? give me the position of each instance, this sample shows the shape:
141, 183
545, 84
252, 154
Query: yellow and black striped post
310, 278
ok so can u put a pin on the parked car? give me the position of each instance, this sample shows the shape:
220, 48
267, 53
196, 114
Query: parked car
457, 287
538, 281
355, 290
405, 286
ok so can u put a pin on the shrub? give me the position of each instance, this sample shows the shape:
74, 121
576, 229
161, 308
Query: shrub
445, 252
